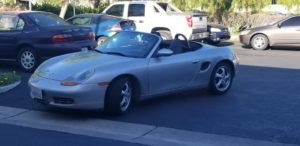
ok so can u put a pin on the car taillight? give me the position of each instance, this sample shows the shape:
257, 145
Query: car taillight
61, 38
116, 27
91, 36
189, 20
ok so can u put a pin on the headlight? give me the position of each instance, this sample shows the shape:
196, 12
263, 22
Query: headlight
215, 30
73, 81
245, 32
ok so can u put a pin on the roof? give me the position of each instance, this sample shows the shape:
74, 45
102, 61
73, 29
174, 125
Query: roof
21, 12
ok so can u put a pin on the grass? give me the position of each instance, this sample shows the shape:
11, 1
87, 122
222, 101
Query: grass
8, 78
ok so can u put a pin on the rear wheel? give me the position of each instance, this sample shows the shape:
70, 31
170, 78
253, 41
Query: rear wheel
165, 35
221, 78
119, 96
212, 42
27, 59
260, 42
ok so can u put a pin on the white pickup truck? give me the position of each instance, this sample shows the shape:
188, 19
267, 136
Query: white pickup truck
161, 17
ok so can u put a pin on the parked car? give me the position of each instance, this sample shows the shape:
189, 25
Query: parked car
29, 37
217, 33
161, 17
103, 25
285, 32
131, 66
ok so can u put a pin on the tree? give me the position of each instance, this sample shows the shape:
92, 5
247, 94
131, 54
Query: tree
64, 8
290, 3
216, 8
249, 5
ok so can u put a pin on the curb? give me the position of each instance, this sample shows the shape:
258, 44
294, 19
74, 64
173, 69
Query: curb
6, 88
121, 131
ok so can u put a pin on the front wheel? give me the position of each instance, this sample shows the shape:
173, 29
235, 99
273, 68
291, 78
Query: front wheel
221, 79
260, 42
27, 59
119, 96
100, 40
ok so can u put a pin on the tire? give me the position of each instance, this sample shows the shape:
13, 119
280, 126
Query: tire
221, 79
119, 96
100, 40
28, 59
259, 42
214, 42
165, 35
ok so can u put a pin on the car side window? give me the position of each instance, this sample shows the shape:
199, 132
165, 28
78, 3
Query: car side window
295, 21
136, 10
80, 21
11, 22
20, 25
116, 10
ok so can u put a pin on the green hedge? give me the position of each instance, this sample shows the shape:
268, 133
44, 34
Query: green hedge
78, 9
8, 78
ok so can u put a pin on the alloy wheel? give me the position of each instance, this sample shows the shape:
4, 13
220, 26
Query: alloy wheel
126, 94
27, 60
222, 78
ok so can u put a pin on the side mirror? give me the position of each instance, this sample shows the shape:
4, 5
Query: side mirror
165, 52
279, 25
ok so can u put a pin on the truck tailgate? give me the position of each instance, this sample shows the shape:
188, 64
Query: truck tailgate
199, 22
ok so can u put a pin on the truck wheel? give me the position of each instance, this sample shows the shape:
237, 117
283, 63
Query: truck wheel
165, 35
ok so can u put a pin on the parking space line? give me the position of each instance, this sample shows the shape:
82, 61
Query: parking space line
122, 131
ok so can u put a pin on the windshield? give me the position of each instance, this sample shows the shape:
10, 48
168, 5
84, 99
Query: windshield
47, 19
129, 44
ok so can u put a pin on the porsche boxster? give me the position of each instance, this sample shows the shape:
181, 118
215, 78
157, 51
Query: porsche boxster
132, 66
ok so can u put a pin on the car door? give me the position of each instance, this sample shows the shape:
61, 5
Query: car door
136, 12
288, 32
11, 27
171, 72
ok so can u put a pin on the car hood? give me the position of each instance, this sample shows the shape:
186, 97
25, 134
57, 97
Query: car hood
72, 65
257, 28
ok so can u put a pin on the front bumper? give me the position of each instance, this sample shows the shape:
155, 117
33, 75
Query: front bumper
199, 36
245, 39
218, 36
52, 93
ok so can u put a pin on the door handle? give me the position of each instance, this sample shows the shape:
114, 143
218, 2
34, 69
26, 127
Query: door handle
141, 21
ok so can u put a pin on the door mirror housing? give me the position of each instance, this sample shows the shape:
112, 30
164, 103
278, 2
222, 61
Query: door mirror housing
279, 25
164, 52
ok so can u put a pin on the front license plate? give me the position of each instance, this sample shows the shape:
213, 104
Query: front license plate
37, 93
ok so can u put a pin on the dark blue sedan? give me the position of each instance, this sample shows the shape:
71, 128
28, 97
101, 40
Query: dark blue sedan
217, 33
30, 37
103, 25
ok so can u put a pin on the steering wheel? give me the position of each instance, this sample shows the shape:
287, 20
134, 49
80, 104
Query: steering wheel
187, 44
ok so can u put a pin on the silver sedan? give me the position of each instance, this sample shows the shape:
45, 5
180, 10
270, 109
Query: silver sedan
132, 66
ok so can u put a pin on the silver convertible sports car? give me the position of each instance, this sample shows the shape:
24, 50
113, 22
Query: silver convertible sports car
131, 66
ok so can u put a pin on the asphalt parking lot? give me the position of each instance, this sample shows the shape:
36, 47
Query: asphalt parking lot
264, 102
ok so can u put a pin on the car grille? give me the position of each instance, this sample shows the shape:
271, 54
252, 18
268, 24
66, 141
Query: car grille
63, 100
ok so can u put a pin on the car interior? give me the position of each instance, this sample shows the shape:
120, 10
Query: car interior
180, 44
